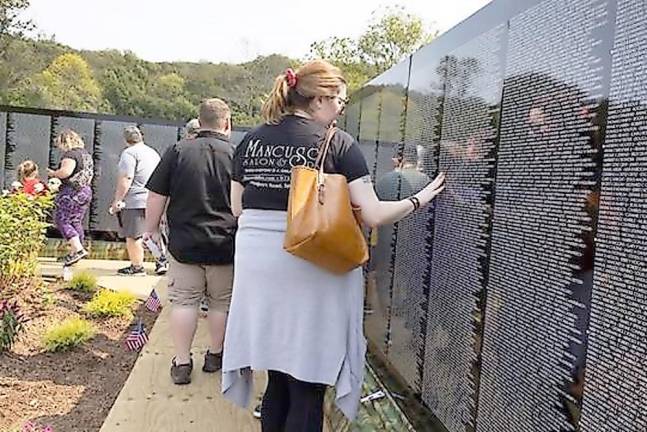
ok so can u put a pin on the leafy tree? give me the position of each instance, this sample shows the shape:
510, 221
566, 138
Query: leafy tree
167, 98
173, 90
344, 53
11, 26
68, 84
343, 50
391, 35
255, 84
125, 83
169, 86
134, 88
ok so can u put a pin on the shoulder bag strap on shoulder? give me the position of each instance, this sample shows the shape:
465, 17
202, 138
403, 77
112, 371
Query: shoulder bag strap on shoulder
323, 150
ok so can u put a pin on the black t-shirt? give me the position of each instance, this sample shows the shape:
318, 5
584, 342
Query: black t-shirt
82, 158
264, 158
196, 175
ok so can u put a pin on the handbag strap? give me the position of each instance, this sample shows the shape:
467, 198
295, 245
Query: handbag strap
323, 152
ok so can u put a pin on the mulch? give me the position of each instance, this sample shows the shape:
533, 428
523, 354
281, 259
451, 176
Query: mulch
71, 391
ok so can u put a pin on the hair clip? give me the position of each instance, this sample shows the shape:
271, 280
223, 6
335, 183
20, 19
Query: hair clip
291, 77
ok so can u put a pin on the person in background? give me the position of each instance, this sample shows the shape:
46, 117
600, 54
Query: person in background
30, 183
194, 179
136, 164
75, 171
405, 180
191, 129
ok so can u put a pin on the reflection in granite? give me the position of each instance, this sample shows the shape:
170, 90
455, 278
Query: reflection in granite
517, 302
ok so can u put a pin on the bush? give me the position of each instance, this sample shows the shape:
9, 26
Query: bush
108, 303
11, 324
47, 297
68, 334
83, 281
22, 234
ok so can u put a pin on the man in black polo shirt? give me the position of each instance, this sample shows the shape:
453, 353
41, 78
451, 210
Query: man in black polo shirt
194, 177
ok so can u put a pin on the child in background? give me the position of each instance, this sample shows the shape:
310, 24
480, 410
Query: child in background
28, 178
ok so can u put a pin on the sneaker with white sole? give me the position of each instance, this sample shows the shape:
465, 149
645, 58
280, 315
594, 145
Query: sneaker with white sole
257, 411
161, 267
75, 257
181, 374
132, 270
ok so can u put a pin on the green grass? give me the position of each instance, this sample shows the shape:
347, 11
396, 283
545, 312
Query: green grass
108, 303
84, 282
68, 334
47, 297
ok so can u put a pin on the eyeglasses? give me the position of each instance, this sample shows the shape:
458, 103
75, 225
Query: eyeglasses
342, 102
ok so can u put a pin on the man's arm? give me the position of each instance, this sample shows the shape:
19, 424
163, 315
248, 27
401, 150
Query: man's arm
127, 166
159, 192
236, 196
123, 184
155, 206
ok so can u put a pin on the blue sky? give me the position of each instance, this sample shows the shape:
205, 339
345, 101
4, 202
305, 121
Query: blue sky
230, 31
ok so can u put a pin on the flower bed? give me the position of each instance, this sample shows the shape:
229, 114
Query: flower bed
61, 368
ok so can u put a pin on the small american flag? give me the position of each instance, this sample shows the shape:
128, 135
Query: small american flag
153, 303
136, 338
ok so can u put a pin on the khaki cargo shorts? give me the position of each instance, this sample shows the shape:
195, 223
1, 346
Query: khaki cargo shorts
188, 283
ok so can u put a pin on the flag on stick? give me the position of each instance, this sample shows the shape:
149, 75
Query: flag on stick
137, 338
153, 303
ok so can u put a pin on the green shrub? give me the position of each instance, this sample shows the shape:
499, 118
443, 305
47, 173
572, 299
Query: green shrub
68, 334
47, 297
11, 324
22, 234
83, 281
108, 303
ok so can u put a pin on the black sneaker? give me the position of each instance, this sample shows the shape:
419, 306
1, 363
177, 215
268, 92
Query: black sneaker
181, 374
63, 258
132, 270
75, 257
212, 362
257, 411
161, 267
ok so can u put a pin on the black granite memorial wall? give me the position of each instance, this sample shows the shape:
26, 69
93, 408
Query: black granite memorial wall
27, 133
615, 383
517, 301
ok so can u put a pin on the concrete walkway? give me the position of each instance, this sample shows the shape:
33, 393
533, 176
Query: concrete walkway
149, 401
106, 273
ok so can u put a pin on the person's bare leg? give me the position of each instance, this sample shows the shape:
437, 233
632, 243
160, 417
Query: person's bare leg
217, 322
75, 244
184, 321
135, 251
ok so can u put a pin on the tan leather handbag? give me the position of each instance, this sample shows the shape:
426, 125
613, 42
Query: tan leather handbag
322, 227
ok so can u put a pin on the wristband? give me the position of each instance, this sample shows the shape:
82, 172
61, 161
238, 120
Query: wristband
415, 201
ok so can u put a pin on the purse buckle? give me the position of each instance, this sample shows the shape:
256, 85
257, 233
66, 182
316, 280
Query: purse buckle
321, 188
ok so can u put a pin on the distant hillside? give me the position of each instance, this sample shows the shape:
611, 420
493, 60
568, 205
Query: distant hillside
50, 75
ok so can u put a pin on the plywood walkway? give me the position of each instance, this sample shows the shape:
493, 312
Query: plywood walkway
149, 401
